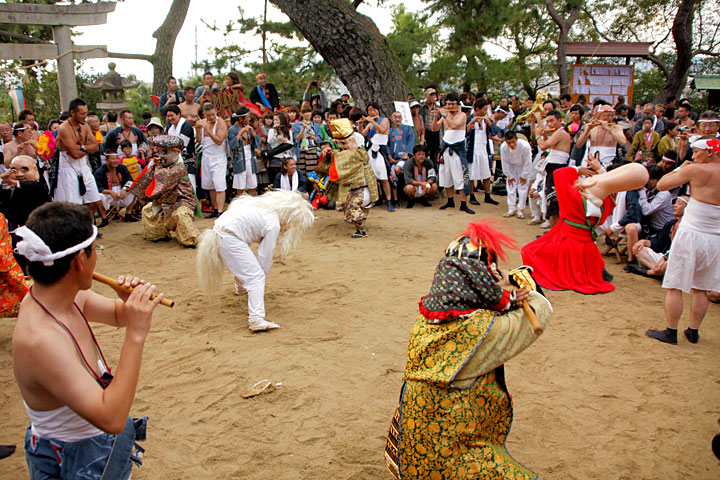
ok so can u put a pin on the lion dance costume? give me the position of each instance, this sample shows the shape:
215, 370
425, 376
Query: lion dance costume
166, 187
455, 410
276, 218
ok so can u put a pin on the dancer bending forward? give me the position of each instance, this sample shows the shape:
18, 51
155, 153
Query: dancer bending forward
279, 218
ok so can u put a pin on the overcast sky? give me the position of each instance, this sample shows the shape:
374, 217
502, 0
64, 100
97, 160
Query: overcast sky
129, 30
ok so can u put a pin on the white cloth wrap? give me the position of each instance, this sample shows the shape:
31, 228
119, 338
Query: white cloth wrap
108, 201
453, 136
245, 180
67, 189
34, 248
607, 154
379, 139
289, 183
695, 251
213, 163
480, 166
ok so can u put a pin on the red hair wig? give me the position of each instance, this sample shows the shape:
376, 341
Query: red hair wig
486, 233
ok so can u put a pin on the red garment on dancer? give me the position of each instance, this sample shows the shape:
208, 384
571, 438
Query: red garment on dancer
566, 257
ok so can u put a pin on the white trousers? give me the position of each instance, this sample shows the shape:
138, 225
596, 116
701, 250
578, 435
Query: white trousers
244, 265
517, 194
119, 204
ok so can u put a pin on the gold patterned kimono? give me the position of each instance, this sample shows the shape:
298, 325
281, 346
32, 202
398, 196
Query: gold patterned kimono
353, 171
455, 410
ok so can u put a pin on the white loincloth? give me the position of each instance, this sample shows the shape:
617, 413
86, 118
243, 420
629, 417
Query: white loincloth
607, 155
68, 188
695, 251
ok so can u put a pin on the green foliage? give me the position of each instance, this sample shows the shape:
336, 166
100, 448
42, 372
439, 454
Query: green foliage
410, 43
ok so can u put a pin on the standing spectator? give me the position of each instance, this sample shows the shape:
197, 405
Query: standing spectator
565, 103
189, 108
478, 149
400, 145
603, 136
684, 117
242, 144
648, 111
282, 144
171, 96
307, 139
75, 182
516, 158
129, 161
6, 136
376, 130
645, 143
418, 123
320, 99
265, 95
557, 141
177, 126
109, 124
126, 131
209, 85
427, 111
211, 133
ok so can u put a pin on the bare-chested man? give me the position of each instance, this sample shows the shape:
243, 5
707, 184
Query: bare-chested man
557, 141
454, 167
211, 133
684, 118
79, 423
189, 108
75, 181
22, 144
605, 139
695, 253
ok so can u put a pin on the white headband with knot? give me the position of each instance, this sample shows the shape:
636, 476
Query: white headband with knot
34, 248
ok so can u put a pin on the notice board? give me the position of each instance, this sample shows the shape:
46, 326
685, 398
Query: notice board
602, 81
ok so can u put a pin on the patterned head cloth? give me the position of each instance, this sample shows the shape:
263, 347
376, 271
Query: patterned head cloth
168, 142
341, 128
711, 144
260, 75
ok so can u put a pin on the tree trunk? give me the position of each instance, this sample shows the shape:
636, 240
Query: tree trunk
351, 43
682, 34
167, 33
564, 24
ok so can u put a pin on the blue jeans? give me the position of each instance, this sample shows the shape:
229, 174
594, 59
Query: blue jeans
102, 457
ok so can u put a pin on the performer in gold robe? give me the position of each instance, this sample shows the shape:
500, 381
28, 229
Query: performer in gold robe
354, 182
165, 185
455, 410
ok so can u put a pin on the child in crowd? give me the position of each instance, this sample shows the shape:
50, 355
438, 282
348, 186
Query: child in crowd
130, 161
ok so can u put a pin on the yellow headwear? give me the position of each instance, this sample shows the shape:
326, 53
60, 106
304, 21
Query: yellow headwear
341, 128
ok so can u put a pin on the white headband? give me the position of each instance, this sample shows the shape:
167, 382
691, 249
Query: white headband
34, 248
708, 120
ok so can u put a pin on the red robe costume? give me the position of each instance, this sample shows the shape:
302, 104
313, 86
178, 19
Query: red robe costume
566, 257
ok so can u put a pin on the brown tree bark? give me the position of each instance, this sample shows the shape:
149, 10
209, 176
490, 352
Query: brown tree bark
162, 58
682, 28
351, 43
565, 24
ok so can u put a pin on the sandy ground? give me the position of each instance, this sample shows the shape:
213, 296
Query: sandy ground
594, 398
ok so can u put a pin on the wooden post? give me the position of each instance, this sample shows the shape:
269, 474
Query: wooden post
66, 65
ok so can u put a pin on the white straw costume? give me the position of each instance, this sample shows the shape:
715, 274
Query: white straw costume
694, 259
277, 218
517, 164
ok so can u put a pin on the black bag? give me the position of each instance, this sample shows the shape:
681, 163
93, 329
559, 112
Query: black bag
81, 185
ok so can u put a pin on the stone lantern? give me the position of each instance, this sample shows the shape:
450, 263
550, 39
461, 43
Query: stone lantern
112, 86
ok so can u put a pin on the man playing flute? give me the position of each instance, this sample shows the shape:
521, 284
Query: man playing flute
79, 423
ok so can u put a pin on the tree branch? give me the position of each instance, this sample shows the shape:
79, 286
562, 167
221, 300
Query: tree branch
356, 3
18, 36
597, 29
660, 64
553, 13
705, 52
131, 56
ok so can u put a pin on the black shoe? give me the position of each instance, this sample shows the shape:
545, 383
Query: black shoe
358, 234
450, 204
606, 276
489, 200
636, 269
692, 335
390, 207
410, 204
214, 214
665, 336
6, 450
424, 202
473, 200
99, 235
104, 223
464, 208
130, 218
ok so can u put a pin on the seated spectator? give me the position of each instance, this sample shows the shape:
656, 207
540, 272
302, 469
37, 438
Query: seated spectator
281, 143
113, 182
420, 178
668, 162
645, 143
625, 220
656, 205
155, 127
400, 146
536, 199
290, 178
129, 161
652, 254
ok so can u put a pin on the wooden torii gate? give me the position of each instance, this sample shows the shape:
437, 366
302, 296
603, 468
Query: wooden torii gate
61, 18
